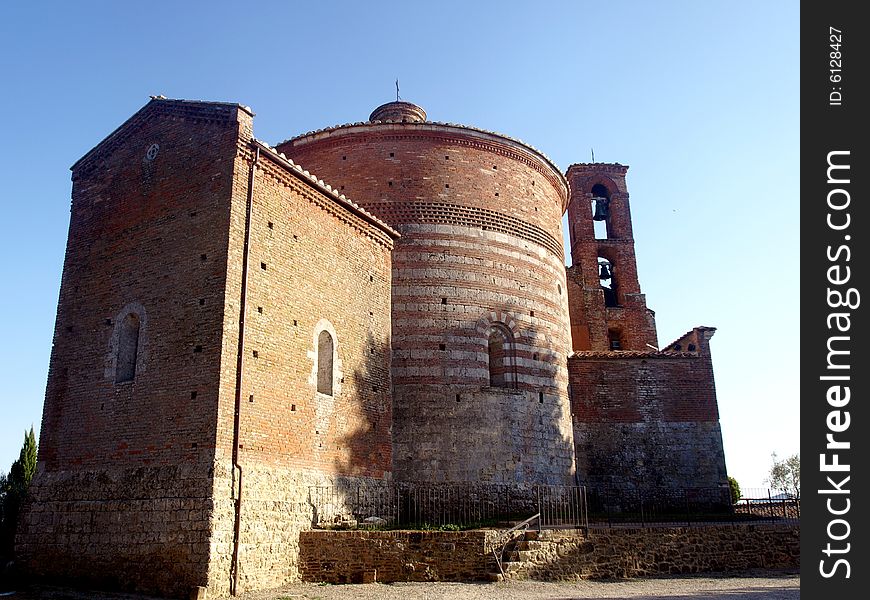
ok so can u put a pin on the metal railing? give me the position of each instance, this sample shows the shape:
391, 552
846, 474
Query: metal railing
464, 506
562, 506
451, 506
418, 505
686, 506
615, 506
509, 536
767, 505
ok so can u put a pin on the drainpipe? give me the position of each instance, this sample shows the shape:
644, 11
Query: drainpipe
237, 467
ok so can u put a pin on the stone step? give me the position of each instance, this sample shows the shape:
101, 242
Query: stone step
511, 566
529, 545
520, 555
508, 576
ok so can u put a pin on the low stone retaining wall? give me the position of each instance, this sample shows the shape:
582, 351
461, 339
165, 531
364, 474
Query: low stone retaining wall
624, 553
387, 556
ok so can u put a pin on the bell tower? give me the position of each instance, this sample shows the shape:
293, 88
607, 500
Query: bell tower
607, 309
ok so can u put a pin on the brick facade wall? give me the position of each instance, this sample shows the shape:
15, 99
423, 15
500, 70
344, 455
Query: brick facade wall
480, 218
314, 267
135, 485
646, 420
148, 236
390, 168
124, 476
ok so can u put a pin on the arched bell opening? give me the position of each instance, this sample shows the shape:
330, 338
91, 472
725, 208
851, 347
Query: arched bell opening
607, 278
601, 211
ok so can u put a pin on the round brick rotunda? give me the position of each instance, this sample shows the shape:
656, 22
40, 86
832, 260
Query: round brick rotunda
480, 332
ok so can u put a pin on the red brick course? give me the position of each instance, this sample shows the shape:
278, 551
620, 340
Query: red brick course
480, 217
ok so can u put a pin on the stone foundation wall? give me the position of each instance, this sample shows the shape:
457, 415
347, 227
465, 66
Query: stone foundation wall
624, 553
388, 556
649, 456
143, 528
488, 435
644, 421
276, 510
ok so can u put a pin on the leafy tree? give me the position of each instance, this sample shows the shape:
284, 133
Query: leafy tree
13, 490
785, 474
735, 490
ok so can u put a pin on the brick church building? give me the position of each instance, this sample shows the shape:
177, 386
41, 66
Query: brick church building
379, 301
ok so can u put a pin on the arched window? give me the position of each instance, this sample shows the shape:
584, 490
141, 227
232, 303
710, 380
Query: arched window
128, 348
601, 211
325, 348
501, 359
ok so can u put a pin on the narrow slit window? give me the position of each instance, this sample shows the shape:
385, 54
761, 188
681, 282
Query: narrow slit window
325, 348
501, 360
128, 349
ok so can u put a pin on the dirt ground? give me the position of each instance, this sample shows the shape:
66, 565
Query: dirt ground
754, 586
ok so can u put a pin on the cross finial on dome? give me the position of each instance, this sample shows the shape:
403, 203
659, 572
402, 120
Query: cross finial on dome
398, 112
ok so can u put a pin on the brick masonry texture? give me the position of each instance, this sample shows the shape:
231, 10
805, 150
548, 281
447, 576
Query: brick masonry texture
409, 318
481, 243
643, 421
123, 488
364, 557
325, 270
593, 323
151, 458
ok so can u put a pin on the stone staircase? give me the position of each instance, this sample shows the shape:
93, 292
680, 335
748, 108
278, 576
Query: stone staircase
527, 549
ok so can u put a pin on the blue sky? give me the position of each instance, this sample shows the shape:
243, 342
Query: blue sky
699, 98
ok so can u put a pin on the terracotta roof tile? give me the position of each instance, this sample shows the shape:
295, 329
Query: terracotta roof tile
326, 188
622, 354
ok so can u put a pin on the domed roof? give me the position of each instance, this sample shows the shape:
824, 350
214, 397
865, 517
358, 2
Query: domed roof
398, 112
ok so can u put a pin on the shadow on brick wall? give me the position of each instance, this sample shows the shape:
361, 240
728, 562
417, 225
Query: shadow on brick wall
478, 450
366, 448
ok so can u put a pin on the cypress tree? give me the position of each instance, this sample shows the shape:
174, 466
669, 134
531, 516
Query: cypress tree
13, 489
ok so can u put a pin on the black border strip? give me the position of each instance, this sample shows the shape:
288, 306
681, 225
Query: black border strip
834, 227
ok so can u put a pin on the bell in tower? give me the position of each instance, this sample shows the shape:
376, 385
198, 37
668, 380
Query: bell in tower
601, 209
